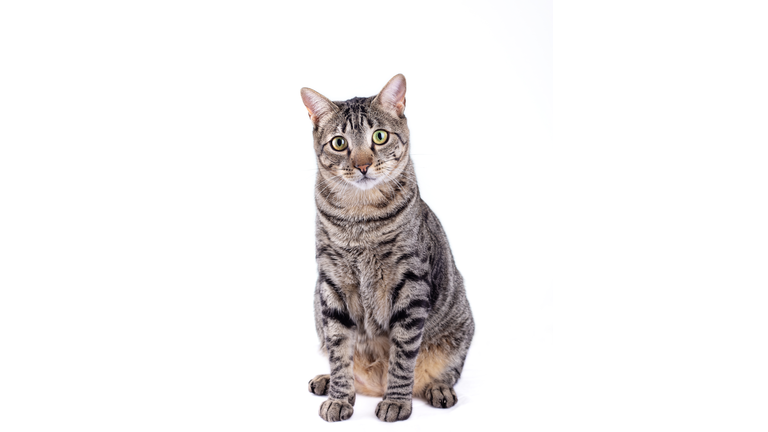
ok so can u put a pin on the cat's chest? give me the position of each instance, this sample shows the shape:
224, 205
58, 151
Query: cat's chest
367, 291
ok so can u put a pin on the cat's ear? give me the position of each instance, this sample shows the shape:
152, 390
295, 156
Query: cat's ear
318, 105
392, 96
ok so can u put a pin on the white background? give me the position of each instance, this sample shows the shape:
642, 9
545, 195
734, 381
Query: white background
157, 218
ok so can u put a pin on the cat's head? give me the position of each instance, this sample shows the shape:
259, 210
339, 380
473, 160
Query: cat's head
361, 141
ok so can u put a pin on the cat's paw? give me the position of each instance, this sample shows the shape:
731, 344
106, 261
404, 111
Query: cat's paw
333, 410
390, 410
441, 397
319, 384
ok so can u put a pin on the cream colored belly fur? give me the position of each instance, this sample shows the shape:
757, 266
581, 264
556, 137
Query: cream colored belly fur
371, 361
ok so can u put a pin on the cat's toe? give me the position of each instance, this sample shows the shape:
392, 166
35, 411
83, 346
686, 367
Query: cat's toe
319, 384
391, 410
333, 410
441, 397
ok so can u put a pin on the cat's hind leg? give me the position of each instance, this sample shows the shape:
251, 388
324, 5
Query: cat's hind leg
319, 385
436, 373
440, 395
438, 391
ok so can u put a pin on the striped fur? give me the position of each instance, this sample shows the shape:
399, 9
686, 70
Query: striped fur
390, 306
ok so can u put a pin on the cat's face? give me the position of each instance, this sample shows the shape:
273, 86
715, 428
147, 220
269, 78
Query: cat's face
361, 142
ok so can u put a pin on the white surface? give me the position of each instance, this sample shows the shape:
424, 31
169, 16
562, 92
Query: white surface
156, 209
662, 241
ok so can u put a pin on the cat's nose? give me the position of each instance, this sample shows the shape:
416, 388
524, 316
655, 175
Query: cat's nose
363, 168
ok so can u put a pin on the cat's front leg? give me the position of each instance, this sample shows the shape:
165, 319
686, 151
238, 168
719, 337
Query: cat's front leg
338, 330
405, 331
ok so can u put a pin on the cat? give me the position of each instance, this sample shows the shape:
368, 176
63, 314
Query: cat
390, 308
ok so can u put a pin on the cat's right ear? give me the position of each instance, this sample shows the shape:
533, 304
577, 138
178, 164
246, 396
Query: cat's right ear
317, 105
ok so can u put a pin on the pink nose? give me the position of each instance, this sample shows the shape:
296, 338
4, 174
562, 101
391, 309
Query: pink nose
363, 168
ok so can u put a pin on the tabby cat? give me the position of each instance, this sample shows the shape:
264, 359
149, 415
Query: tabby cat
390, 307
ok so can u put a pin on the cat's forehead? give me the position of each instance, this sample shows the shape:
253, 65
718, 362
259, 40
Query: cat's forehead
355, 115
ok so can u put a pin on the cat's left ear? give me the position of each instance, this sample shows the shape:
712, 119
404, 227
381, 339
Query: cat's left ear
318, 105
392, 96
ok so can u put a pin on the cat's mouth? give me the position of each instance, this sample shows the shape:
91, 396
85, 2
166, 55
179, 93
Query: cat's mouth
366, 182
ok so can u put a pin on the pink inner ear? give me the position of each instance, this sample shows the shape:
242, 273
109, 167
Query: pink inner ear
315, 103
393, 94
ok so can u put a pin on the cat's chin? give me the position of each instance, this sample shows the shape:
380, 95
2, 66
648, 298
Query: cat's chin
366, 183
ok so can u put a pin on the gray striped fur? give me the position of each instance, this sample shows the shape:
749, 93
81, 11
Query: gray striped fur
390, 307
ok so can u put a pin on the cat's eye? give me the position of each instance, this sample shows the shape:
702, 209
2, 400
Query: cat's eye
380, 136
339, 143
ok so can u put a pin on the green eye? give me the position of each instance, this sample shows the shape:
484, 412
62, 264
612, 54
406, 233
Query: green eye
339, 143
380, 136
